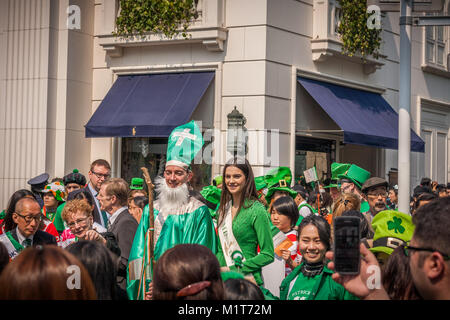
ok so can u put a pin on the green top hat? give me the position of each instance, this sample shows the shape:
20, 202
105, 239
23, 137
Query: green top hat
355, 174
137, 184
212, 194
337, 169
272, 190
183, 145
392, 229
260, 183
280, 176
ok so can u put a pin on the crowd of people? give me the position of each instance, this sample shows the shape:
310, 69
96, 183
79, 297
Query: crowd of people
240, 238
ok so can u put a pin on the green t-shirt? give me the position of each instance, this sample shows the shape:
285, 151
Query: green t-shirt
303, 287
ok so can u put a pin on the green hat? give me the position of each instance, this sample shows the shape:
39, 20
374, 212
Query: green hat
184, 143
280, 176
392, 229
57, 189
271, 191
218, 180
260, 183
337, 169
356, 175
212, 194
231, 275
137, 184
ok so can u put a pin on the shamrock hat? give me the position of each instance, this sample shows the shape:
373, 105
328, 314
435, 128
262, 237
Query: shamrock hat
336, 170
137, 184
392, 229
355, 174
57, 189
184, 143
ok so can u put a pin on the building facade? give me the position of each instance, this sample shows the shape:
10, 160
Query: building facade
54, 77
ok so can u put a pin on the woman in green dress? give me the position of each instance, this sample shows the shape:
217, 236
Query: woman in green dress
311, 280
243, 223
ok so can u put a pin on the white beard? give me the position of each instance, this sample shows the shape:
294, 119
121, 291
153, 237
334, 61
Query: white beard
170, 199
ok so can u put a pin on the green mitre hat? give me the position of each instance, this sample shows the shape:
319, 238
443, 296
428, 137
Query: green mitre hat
392, 229
355, 174
336, 170
184, 143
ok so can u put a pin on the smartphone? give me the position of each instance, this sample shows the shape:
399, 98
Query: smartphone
346, 245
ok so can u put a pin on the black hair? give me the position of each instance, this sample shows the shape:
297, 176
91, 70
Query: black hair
242, 289
287, 207
82, 193
441, 188
8, 222
363, 225
323, 228
4, 257
140, 201
101, 265
426, 196
301, 191
433, 219
425, 182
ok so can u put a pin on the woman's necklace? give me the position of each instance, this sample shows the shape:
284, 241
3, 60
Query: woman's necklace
312, 269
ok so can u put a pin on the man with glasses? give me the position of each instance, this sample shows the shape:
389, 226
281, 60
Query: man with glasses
99, 172
375, 191
27, 216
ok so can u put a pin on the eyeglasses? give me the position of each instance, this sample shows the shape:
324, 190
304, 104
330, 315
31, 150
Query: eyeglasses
28, 219
376, 195
100, 175
79, 222
406, 250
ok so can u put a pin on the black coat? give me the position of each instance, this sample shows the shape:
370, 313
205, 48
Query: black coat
40, 237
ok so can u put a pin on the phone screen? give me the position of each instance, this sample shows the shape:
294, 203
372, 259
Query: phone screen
346, 245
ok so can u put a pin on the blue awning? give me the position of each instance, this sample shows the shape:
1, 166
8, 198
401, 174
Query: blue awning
149, 105
365, 117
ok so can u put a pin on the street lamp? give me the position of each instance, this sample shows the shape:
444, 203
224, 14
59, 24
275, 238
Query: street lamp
237, 133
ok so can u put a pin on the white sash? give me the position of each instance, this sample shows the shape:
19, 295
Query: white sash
230, 246
12, 251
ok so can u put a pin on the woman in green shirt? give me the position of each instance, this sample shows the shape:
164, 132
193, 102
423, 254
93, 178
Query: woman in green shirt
243, 223
311, 280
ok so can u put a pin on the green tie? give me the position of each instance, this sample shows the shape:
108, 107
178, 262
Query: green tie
105, 219
26, 243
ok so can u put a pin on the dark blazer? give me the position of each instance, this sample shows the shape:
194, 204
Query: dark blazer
124, 228
96, 213
40, 237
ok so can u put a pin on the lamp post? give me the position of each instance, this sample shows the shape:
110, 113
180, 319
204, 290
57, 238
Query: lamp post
237, 137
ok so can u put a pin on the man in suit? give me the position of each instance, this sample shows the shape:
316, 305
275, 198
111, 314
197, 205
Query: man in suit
27, 216
113, 197
99, 172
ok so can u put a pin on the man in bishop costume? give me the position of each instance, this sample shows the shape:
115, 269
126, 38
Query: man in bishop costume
178, 217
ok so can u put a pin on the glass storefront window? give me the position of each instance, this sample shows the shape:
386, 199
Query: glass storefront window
151, 153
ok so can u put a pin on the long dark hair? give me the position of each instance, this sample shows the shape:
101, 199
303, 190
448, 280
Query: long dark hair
100, 264
8, 222
249, 188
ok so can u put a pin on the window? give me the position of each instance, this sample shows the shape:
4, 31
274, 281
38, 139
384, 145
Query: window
336, 16
435, 45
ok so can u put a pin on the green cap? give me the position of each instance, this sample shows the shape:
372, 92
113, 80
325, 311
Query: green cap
280, 176
260, 183
392, 229
337, 169
137, 184
355, 174
183, 145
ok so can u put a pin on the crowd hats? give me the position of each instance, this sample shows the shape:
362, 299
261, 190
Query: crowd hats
392, 229
279, 179
373, 183
336, 170
57, 189
74, 177
39, 182
354, 174
183, 145
137, 184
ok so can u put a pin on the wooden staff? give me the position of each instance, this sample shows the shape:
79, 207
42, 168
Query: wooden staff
151, 230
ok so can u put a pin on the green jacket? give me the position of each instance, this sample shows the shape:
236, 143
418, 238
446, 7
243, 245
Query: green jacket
251, 228
325, 288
